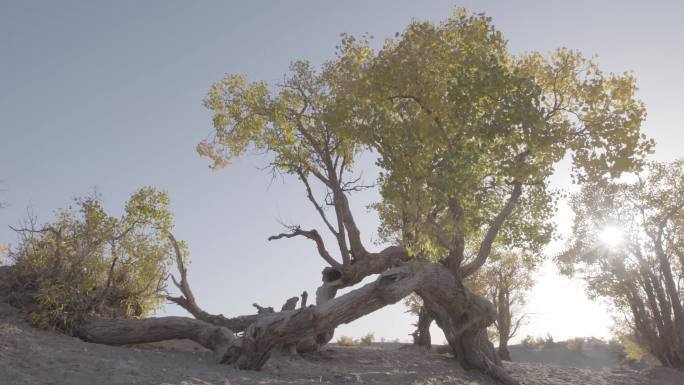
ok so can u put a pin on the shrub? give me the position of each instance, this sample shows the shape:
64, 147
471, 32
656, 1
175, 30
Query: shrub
528, 342
347, 341
367, 339
632, 350
88, 263
575, 344
548, 340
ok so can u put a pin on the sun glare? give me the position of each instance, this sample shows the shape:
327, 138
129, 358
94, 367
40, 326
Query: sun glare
611, 236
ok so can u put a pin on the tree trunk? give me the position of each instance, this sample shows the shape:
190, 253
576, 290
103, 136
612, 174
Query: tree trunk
134, 331
503, 322
503, 351
421, 336
463, 316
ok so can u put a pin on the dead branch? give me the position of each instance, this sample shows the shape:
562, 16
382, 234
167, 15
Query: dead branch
313, 235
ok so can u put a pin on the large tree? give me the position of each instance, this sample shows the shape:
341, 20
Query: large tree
466, 135
628, 245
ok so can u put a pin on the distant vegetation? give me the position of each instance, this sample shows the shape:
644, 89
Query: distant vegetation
349, 341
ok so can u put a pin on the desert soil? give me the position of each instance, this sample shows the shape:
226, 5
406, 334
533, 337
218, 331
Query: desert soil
29, 356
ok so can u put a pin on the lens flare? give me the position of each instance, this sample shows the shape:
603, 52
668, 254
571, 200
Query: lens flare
610, 236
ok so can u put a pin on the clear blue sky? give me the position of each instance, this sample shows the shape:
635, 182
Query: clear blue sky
107, 95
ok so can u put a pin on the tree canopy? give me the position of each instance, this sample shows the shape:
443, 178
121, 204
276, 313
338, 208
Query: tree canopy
463, 130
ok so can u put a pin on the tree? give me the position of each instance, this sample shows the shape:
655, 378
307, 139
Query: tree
421, 336
505, 280
88, 263
466, 136
627, 244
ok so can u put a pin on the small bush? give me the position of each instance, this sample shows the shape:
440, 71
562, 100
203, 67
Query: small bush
532, 343
632, 350
528, 342
575, 344
367, 339
548, 340
347, 341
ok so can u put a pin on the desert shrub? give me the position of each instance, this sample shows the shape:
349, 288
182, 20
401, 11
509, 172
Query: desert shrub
615, 347
88, 263
575, 344
528, 342
347, 341
632, 350
548, 340
531, 343
594, 342
367, 339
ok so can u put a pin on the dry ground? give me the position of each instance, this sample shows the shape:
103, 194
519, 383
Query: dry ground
34, 357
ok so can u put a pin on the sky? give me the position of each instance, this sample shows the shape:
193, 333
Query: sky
106, 96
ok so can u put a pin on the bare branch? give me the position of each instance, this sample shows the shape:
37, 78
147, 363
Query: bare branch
518, 323
262, 309
314, 236
493, 231
319, 208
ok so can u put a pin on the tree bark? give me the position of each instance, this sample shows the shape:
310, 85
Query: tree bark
462, 315
134, 331
421, 336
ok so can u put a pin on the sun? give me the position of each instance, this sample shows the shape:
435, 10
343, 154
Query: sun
610, 236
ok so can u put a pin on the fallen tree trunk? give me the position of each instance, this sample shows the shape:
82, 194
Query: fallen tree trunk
462, 316
134, 331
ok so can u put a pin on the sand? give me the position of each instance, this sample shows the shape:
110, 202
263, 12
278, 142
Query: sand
29, 356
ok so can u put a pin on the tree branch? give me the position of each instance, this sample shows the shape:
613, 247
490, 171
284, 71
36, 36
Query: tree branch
493, 231
314, 236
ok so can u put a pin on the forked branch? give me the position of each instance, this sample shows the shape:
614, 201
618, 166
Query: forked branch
314, 236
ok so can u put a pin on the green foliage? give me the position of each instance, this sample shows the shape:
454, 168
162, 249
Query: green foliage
455, 120
87, 262
632, 350
509, 271
455, 116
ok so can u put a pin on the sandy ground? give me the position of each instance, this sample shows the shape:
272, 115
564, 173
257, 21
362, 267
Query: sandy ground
34, 357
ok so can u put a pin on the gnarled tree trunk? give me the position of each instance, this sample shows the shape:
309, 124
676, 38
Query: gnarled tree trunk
462, 315
134, 331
